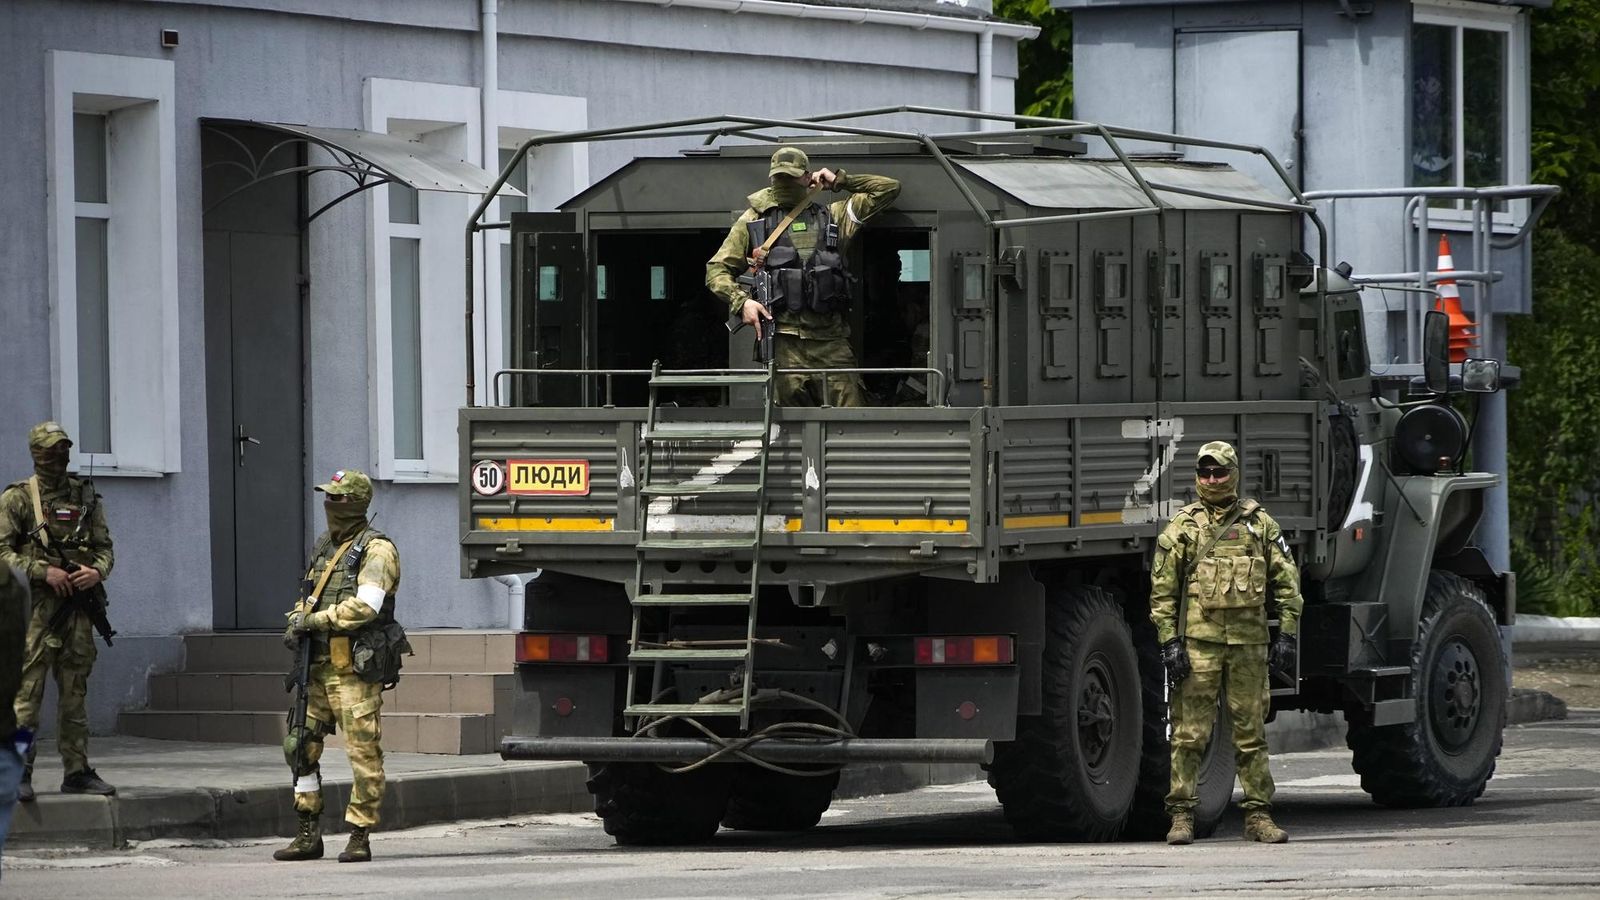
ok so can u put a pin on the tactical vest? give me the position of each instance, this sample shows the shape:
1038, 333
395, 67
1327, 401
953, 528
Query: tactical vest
1233, 574
67, 510
820, 283
342, 584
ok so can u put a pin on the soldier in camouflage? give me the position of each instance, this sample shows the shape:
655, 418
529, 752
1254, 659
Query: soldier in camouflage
50, 513
808, 260
15, 743
357, 594
1218, 555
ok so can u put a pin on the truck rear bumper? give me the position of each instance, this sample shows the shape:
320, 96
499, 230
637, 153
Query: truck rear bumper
688, 750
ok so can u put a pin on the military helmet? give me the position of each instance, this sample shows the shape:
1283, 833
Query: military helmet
45, 435
350, 483
791, 161
1220, 452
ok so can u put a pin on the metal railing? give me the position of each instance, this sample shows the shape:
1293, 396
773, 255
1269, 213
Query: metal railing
712, 128
1415, 216
938, 397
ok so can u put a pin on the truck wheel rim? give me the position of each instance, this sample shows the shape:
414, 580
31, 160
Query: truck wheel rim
1097, 718
1457, 695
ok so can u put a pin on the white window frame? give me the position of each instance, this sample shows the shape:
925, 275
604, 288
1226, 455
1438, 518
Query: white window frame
556, 173
1514, 25
445, 117
137, 96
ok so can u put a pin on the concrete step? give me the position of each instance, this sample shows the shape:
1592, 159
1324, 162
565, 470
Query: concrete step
420, 692
403, 732
435, 650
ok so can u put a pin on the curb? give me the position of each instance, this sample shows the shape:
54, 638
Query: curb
135, 814
1555, 629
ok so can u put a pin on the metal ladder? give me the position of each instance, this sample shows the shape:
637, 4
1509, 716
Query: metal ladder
659, 550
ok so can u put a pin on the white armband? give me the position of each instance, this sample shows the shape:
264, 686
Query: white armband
372, 595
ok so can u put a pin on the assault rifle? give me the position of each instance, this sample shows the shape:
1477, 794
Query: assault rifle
299, 681
758, 282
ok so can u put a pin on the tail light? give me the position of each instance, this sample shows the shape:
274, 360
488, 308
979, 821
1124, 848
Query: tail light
974, 650
563, 648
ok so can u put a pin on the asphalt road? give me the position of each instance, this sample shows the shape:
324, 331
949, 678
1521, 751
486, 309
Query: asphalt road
1532, 833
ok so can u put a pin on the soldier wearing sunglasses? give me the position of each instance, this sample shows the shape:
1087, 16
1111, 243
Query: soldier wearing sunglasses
1208, 600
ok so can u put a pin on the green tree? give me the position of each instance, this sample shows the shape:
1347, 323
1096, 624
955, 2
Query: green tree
1044, 64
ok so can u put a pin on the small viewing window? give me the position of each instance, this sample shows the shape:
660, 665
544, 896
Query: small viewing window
658, 282
913, 266
599, 282
549, 283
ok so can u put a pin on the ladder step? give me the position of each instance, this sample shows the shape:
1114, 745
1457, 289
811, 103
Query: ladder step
673, 654
697, 544
691, 489
704, 431
707, 380
692, 600
684, 709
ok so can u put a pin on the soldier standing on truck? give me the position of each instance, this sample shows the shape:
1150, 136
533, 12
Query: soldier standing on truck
801, 244
1209, 581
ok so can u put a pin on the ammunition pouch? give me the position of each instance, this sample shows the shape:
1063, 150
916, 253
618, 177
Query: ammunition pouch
376, 653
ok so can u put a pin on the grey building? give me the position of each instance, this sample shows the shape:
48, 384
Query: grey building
1352, 96
223, 311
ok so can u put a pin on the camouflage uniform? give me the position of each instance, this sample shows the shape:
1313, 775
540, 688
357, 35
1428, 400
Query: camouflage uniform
13, 627
76, 525
806, 339
1226, 634
339, 699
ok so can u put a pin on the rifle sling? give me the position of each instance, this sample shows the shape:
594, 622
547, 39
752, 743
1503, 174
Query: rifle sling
327, 573
38, 511
760, 254
1184, 572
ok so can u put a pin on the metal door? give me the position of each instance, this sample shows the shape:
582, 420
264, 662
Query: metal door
269, 490
1244, 87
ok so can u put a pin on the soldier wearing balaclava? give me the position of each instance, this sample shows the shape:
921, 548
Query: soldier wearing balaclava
348, 598
1208, 599
53, 530
806, 257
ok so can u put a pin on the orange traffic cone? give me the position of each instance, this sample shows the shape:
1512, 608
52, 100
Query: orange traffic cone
1461, 328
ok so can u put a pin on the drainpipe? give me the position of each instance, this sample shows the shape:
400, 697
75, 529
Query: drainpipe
490, 152
986, 79
517, 596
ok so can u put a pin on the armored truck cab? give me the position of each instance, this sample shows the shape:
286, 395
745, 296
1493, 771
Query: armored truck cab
959, 570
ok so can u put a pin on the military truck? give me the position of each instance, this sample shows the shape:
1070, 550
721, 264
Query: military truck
737, 599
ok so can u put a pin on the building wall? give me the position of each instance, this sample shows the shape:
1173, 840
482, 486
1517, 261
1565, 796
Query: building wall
293, 61
1355, 89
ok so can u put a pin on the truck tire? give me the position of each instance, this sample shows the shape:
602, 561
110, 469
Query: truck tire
1070, 773
642, 805
764, 800
1148, 820
1458, 677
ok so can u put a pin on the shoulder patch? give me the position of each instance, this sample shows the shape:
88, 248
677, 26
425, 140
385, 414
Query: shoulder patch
1165, 541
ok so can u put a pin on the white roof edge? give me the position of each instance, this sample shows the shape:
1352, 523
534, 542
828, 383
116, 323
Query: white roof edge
857, 15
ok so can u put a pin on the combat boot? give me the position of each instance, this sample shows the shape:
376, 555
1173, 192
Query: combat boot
1258, 826
1182, 828
25, 789
307, 843
85, 781
359, 849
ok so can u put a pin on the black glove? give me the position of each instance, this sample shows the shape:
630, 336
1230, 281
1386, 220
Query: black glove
1283, 654
1176, 658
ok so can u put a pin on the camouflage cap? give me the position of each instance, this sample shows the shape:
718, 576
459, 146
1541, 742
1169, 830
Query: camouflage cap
46, 435
1221, 452
790, 161
350, 483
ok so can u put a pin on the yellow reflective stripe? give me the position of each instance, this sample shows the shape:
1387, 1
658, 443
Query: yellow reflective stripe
792, 524
1101, 518
1055, 520
547, 523
875, 525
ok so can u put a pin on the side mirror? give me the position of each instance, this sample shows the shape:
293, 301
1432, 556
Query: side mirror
1480, 376
1436, 351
